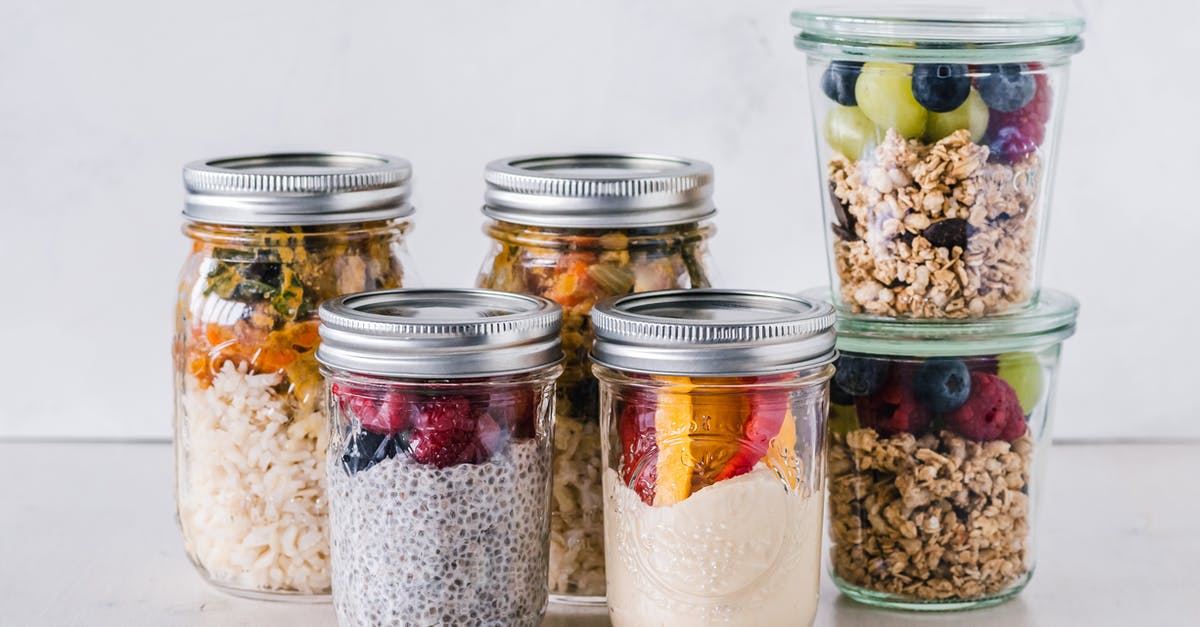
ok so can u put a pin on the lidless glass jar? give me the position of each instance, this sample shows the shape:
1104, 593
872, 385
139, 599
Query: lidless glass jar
713, 413
936, 134
439, 455
272, 236
577, 229
937, 432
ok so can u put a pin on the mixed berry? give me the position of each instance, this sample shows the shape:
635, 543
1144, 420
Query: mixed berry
438, 428
982, 398
1004, 106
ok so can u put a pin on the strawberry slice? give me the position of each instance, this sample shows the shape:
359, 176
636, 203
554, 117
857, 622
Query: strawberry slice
639, 451
768, 410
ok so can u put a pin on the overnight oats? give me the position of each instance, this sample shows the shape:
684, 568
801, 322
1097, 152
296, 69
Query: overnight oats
936, 139
250, 419
936, 434
577, 229
713, 413
439, 458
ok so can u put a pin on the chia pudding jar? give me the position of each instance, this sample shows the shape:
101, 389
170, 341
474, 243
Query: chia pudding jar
713, 406
936, 132
938, 432
271, 236
439, 457
577, 229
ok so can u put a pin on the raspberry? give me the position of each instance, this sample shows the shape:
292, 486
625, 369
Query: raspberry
991, 412
514, 408
1013, 135
894, 409
390, 412
443, 429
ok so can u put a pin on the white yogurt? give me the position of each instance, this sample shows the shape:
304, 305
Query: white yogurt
743, 551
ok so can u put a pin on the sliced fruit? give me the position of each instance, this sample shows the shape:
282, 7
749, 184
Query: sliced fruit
850, 132
884, 93
769, 411
781, 452
639, 450
1024, 373
971, 115
672, 426
697, 434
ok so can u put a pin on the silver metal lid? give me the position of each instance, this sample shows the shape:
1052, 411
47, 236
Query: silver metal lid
441, 333
297, 189
598, 190
712, 332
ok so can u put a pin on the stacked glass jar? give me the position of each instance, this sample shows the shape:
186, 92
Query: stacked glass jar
936, 136
577, 229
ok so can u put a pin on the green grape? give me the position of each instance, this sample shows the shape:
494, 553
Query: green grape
972, 115
842, 418
1023, 372
850, 132
884, 93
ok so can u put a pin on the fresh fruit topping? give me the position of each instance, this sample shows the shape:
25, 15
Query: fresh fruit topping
884, 93
971, 115
443, 429
940, 87
1011, 136
942, 384
838, 81
990, 412
386, 412
842, 419
850, 132
1006, 87
947, 233
672, 433
639, 450
860, 376
894, 409
769, 410
1024, 373
514, 408
365, 449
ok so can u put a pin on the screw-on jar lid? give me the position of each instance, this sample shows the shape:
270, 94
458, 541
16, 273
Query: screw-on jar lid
598, 190
441, 333
712, 332
297, 189
1049, 320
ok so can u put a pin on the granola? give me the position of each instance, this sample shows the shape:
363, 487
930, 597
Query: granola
934, 230
932, 517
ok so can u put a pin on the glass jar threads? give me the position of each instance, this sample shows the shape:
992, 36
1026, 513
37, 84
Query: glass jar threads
937, 434
713, 413
272, 236
439, 456
576, 229
936, 135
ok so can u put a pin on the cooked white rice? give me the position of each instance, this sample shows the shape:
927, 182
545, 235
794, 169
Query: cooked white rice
251, 483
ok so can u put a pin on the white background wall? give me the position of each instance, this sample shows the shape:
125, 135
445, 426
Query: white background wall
101, 103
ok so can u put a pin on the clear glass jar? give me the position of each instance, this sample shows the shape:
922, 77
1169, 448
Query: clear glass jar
577, 229
936, 133
713, 412
439, 456
937, 434
250, 418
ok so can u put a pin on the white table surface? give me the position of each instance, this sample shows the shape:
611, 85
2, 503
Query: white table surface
88, 537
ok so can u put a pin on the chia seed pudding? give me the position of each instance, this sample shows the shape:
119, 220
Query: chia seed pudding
414, 544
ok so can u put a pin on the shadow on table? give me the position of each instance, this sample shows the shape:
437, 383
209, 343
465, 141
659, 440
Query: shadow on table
576, 616
847, 613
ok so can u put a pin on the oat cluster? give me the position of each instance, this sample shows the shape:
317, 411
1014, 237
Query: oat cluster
936, 517
934, 230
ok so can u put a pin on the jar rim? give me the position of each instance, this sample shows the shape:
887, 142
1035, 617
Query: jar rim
1048, 319
928, 32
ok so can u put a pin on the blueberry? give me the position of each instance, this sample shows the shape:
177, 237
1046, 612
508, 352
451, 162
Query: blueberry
860, 376
365, 449
940, 87
942, 384
1006, 87
838, 81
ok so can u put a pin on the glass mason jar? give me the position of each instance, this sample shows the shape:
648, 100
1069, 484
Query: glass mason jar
937, 432
936, 135
439, 455
577, 229
713, 413
272, 236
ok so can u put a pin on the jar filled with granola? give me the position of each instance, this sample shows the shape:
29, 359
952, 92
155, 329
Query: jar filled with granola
439, 456
937, 434
272, 236
936, 133
714, 423
576, 229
